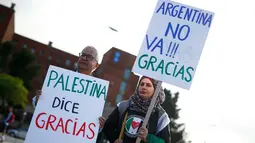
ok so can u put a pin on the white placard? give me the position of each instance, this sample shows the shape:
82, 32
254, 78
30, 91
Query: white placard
173, 44
68, 109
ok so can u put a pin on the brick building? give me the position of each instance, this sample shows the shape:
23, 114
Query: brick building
6, 23
116, 64
46, 54
116, 67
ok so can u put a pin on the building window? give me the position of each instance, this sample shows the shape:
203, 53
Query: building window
119, 98
127, 73
49, 58
75, 65
123, 86
25, 46
68, 62
33, 50
41, 53
116, 57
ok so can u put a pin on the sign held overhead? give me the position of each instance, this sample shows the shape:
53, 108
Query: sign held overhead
173, 44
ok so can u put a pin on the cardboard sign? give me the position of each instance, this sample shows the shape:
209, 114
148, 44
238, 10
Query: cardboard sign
68, 109
173, 43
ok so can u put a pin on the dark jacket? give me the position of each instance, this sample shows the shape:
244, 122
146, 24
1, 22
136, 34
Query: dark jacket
158, 125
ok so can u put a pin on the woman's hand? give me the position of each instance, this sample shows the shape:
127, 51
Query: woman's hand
118, 141
143, 133
101, 121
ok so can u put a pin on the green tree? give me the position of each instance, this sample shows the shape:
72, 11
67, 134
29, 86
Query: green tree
6, 49
170, 106
21, 64
24, 65
12, 90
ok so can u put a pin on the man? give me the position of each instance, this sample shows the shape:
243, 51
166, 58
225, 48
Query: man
7, 121
87, 63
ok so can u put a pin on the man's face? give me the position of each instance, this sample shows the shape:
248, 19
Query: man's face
87, 59
10, 109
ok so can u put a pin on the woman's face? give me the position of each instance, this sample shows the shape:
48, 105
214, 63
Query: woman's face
146, 89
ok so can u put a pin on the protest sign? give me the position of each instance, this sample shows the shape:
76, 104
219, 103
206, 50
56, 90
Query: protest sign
68, 109
173, 44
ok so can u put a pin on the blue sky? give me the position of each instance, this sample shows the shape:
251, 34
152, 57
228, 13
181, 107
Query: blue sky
222, 91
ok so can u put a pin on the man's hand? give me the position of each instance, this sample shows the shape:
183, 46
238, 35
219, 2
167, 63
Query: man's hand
143, 133
38, 94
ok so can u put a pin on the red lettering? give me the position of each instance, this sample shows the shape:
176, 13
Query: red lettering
93, 133
49, 122
60, 123
74, 128
69, 120
82, 129
37, 118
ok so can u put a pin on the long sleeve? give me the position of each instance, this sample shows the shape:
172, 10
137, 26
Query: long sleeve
111, 125
8, 117
154, 139
34, 101
162, 137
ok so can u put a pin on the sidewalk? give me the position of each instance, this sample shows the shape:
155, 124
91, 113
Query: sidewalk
9, 139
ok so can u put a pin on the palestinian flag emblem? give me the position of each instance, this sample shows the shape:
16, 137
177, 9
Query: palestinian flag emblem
132, 126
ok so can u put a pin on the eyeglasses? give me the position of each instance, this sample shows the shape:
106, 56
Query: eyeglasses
89, 57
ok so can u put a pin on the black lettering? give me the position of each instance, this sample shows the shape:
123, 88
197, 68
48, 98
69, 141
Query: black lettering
75, 107
58, 100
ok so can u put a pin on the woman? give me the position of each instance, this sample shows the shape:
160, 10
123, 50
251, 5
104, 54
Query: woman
136, 107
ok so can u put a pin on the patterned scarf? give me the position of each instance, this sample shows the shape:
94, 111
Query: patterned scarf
140, 105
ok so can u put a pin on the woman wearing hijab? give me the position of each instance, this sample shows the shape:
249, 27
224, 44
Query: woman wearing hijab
157, 130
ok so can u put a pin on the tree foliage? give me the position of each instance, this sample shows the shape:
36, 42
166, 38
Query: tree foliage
18, 67
24, 66
21, 64
12, 90
171, 108
6, 49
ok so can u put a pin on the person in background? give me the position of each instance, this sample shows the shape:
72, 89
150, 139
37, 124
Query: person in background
7, 121
135, 109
